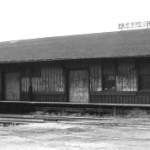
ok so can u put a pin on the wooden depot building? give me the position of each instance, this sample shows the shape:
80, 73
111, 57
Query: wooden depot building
104, 68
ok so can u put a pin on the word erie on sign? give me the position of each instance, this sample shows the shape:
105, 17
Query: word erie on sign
144, 24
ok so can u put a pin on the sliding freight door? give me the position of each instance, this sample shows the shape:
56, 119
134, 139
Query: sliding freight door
78, 86
12, 86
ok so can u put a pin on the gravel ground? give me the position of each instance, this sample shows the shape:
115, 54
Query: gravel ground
113, 134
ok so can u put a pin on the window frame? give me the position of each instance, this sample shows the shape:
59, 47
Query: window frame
117, 74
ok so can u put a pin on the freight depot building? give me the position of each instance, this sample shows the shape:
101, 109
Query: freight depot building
105, 68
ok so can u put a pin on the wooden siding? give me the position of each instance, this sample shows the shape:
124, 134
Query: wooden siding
126, 80
109, 67
124, 98
25, 83
47, 81
49, 84
125, 70
40, 97
95, 77
51, 80
144, 67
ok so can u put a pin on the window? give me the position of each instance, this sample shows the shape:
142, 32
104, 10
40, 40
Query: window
109, 82
118, 75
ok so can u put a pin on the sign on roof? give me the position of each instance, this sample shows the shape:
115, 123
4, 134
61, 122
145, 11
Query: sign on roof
144, 24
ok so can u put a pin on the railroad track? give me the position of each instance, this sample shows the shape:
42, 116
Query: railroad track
42, 119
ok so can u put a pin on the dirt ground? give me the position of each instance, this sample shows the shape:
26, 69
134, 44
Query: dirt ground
113, 134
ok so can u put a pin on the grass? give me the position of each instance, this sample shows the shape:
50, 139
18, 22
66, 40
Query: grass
138, 113
133, 113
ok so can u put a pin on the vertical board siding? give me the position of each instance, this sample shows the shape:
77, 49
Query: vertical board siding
48, 84
49, 98
50, 80
25, 84
124, 99
95, 77
144, 67
45, 97
126, 80
126, 83
109, 68
137, 98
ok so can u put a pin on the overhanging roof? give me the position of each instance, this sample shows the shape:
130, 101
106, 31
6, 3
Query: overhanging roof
133, 43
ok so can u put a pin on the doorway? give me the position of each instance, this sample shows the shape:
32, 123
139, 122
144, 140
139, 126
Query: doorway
78, 86
12, 86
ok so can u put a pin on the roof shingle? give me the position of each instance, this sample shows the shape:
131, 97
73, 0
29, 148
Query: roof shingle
133, 43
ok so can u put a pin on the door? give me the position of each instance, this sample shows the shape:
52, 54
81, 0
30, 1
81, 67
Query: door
12, 86
78, 86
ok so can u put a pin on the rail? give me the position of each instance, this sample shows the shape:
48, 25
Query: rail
43, 119
62, 104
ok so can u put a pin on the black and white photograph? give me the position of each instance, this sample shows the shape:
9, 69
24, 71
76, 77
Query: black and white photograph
74, 75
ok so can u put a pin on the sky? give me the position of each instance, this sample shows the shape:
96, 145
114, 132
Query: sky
26, 19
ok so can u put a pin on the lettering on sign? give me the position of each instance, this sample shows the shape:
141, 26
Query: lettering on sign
144, 24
